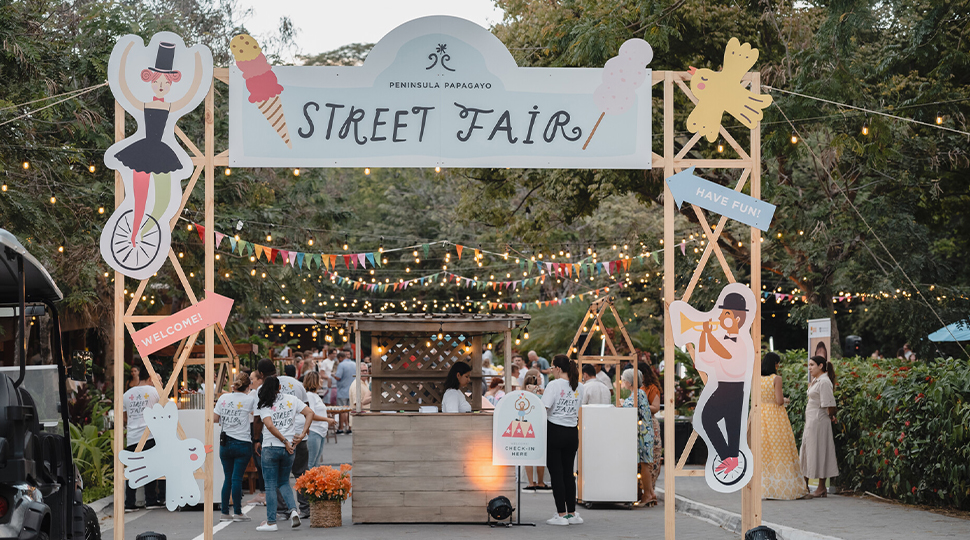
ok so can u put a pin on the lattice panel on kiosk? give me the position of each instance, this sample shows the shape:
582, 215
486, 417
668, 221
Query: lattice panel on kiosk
409, 395
422, 353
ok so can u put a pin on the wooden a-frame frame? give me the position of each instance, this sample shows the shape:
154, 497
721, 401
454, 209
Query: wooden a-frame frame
673, 161
595, 314
125, 317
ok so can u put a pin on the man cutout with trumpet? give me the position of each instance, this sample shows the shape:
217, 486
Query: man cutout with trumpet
725, 353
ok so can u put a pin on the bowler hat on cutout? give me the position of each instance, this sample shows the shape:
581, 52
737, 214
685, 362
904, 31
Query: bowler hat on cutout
165, 58
734, 302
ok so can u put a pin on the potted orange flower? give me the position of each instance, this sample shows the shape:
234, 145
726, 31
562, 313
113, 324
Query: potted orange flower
325, 488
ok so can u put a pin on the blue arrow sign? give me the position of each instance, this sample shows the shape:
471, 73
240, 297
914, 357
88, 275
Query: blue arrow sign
685, 187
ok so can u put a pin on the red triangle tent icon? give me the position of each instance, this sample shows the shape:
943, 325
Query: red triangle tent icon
518, 430
530, 434
508, 431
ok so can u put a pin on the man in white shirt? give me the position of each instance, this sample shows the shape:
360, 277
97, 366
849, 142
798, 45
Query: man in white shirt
134, 403
594, 391
517, 360
602, 377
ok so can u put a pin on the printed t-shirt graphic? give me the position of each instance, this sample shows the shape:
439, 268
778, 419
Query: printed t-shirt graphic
283, 411
234, 415
563, 402
136, 401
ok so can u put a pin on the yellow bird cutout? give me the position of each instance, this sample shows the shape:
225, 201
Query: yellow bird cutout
721, 91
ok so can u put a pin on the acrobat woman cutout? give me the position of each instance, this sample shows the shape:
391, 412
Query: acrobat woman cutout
135, 240
725, 353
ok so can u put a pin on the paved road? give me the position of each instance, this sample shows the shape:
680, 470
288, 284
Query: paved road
600, 523
846, 517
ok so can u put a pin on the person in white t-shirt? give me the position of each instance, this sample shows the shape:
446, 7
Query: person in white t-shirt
233, 412
325, 367
594, 392
454, 399
562, 398
278, 413
135, 401
301, 456
603, 377
318, 430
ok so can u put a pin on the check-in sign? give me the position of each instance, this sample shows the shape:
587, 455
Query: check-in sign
214, 309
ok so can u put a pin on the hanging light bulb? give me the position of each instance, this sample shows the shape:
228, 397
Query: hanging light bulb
53, 199
939, 119
865, 129
720, 148
296, 172
26, 165
91, 168
526, 333
269, 237
4, 188
228, 171
310, 241
366, 171
794, 138
100, 209
437, 169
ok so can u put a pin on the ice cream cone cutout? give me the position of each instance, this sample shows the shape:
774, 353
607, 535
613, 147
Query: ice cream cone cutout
718, 92
622, 75
264, 89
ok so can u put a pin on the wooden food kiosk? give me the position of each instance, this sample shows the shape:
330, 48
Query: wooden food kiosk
413, 467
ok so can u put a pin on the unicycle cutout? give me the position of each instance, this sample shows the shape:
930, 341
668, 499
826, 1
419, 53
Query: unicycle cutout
729, 478
141, 254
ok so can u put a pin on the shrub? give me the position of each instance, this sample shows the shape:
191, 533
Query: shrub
903, 427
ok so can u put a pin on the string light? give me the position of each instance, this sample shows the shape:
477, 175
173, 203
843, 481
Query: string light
794, 138
939, 119
296, 172
366, 171
26, 165
865, 129
720, 148
228, 171
53, 199
91, 168
101, 210
3, 187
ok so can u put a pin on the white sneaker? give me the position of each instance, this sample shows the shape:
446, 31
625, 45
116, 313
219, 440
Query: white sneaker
557, 520
225, 517
294, 519
241, 518
267, 527
574, 518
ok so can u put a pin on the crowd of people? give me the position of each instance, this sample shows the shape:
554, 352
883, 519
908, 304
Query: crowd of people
282, 420
277, 421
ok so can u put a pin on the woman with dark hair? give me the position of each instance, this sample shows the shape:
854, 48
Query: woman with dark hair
454, 399
562, 398
780, 470
818, 444
278, 413
235, 444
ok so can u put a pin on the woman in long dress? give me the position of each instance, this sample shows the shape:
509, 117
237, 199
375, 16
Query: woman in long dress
818, 443
645, 436
780, 470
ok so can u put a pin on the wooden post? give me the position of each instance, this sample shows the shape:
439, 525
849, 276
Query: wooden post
751, 494
210, 285
670, 368
119, 356
357, 381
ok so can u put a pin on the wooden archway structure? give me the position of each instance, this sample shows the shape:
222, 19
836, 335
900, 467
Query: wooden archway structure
671, 161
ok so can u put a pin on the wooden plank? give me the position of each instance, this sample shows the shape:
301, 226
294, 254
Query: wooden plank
431, 483
210, 285
394, 514
380, 498
751, 509
478, 499
382, 422
411, 468
372, 437
118, 347
690, 472
668, 295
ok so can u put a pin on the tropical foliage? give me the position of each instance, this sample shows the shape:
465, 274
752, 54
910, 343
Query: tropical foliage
903, 428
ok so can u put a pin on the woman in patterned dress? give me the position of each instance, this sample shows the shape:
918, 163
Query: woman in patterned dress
781, 474
645, 439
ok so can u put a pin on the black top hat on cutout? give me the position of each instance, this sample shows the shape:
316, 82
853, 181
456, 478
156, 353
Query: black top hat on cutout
165, 58
734, 302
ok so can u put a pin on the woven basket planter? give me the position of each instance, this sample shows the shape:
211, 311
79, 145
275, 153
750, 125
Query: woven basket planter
325, 514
